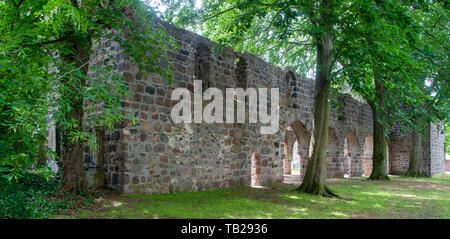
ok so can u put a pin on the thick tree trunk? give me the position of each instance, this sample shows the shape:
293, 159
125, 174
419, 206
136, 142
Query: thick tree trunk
316, 171
379, 160
72, 161
415, 156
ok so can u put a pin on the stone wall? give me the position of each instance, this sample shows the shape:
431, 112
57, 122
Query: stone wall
437, 152
400, 149
156, 155
112, 166
432, 150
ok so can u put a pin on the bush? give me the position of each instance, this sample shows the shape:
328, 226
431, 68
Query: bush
31, 197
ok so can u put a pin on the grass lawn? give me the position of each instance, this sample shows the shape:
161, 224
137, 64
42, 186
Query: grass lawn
399, 198
295, 171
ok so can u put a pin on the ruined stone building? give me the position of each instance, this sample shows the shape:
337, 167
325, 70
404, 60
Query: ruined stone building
156, 155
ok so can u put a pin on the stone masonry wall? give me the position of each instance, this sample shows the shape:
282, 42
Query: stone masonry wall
437, 152
156, 155
432, 150
112, 165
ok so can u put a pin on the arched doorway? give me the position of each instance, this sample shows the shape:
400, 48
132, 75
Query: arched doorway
367, 160
350, 155
296, 149
368, 153
289, 141
203, 65
295, 162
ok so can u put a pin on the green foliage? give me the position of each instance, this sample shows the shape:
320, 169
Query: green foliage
400, 198
407, 60
30, 197
401, 43
45, 47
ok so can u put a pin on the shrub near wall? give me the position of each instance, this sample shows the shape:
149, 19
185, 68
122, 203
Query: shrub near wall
31, 197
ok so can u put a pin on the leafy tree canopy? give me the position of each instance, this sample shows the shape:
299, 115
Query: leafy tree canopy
404, 43
45, 48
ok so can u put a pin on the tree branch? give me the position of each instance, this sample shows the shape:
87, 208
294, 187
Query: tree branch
39, 44
218, 14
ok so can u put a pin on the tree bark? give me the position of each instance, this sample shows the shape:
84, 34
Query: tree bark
316, 171
72, 163
415, 156
379, 160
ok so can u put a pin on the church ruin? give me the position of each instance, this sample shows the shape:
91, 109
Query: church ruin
156, 155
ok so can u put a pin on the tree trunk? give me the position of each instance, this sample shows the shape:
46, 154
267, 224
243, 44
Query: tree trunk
72, 161
316, 171
379, 160
415, 156
74, 180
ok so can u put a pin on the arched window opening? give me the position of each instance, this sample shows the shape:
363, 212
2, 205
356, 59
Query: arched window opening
241, 73
293, 89
292, 84
203, 65
288, 150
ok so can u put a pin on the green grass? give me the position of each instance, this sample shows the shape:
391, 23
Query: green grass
295, 171
399, 198
33, 196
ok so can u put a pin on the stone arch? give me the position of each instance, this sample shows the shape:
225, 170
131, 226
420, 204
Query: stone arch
241, 68
203, 65
296, 146
289, 140
296, 160
256, 169
368, 154
333, 164
303, 140
352, 163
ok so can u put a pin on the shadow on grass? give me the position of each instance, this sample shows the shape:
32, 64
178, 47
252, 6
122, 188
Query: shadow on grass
399, 198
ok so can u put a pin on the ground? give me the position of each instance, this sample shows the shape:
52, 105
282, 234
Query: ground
400, 198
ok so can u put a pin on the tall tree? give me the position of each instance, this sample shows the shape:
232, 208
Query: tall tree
49, 43
344, 40
397, 59
288, 21
434, 49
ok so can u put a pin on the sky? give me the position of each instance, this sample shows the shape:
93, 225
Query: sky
160, 7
